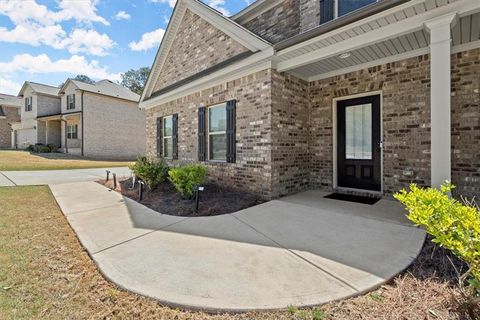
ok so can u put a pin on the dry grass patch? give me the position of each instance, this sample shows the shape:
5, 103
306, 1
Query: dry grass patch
23, 160
45, 273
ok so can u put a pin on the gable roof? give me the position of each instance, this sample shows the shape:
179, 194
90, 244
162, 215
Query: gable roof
39, 88
10, 101
104, 87
237, 32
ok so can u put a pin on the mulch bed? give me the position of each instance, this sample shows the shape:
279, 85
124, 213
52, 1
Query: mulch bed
214, 200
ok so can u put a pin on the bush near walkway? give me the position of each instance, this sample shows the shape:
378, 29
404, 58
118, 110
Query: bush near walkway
453, 225
152, 171
187, 178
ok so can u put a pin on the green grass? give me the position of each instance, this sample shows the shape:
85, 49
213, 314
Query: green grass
25, 161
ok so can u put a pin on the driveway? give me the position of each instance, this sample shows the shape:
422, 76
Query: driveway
44, 177
298, 251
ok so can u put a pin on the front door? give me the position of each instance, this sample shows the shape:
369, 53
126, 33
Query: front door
359, 143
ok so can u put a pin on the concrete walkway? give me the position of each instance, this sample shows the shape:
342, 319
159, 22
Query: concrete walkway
301, 250
43, 177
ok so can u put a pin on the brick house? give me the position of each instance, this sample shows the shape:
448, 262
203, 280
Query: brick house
289, 95
100, 120
9, 114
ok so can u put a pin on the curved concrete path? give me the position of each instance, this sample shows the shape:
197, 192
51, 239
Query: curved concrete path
301, 250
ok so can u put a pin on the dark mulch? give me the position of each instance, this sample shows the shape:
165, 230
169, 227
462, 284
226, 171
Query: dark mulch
214, 200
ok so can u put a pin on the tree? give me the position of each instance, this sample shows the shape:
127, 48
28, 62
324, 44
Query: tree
82, 78
135, 80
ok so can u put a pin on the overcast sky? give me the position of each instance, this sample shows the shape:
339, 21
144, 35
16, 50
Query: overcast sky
48, 41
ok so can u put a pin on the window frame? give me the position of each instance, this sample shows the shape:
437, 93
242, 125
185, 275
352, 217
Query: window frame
336, 10
71, 132
209, 155
165, 137
71, 100
29, 106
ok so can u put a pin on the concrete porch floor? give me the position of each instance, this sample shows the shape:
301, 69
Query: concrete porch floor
300, 250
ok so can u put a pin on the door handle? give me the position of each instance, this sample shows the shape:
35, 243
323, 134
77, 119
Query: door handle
380, 145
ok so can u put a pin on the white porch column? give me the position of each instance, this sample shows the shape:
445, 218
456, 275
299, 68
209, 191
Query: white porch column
46, 132
440, 97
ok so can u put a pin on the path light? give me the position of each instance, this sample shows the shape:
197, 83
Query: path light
140, 190
108, 175
114, 181
197, 196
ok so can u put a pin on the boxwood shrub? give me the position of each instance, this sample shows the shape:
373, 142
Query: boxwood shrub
187, 178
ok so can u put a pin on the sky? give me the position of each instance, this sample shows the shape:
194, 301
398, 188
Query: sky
48, 41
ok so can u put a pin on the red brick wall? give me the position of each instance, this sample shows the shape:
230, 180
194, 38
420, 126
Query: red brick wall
198, 45
466, 122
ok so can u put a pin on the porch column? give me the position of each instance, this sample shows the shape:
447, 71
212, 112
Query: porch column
440, 97
46, 132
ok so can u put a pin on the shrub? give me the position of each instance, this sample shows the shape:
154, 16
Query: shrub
30, 148
452, 225
52, 147
187, 178
43, 149
151, 170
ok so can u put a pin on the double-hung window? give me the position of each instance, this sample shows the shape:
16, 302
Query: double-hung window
72, 131
28, 104
217, 132
167, 136
70, 101
332, 9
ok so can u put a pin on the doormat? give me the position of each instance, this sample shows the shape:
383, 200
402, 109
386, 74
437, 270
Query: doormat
352, 198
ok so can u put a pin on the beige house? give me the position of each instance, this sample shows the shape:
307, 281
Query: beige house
354, 96
100, 120
10, 109
38, 100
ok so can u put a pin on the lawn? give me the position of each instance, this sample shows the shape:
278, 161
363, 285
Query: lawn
45, 273
23, 160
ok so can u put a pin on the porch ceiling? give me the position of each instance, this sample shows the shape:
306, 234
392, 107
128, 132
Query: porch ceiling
319, 57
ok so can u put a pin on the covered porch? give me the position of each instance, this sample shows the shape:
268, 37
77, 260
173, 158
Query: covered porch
64, 131
388, 93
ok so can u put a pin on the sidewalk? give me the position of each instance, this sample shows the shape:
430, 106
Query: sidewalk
288, 252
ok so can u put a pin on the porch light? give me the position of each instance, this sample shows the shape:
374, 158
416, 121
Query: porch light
345, 55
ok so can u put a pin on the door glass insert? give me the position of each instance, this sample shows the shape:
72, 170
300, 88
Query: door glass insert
358, 132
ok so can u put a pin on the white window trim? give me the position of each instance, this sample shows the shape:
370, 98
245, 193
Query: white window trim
69, 100
220, 105
72, 128
165, 137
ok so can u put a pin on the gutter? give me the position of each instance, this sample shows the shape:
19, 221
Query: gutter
81, 102
339, 22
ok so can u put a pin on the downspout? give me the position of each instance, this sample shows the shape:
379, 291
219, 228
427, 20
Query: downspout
66, 139
83, 136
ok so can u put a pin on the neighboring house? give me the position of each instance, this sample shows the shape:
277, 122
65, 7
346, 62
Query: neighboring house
9, 114
100, 120
38, 100
290, 95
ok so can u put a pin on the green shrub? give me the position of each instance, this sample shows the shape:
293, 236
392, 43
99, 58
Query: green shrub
187, 178
30, 148
52, 147
43, 149
151, 170
452, 225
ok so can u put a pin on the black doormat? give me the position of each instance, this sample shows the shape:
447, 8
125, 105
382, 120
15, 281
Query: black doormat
352, 198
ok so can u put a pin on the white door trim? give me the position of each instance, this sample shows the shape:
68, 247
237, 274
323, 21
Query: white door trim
335, 142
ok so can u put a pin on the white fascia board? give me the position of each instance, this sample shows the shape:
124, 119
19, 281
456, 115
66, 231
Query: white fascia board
378, 35
243, 36
257, 62
254, 10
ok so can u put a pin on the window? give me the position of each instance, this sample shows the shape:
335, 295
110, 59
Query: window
217, 132
28, 104
2, 113
358, 132
167, 134
331, 9
70, 102
72, 131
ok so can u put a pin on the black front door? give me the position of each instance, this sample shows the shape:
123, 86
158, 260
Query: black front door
359, 143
